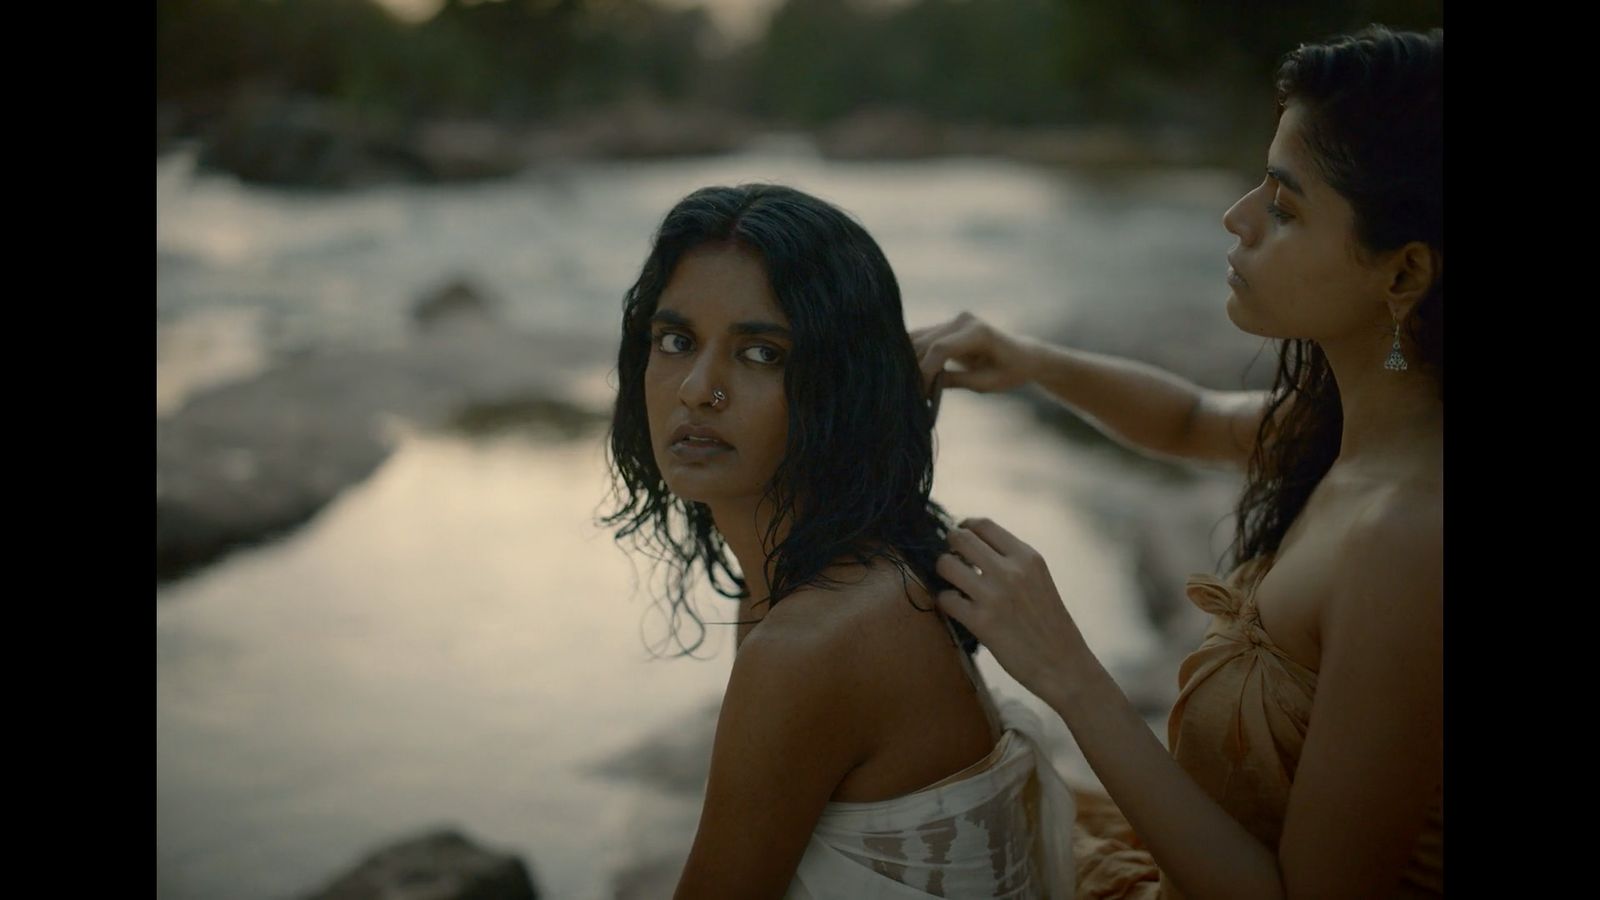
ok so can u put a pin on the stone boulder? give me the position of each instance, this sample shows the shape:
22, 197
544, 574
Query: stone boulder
248, 461
456, 297
308, 143
442, 865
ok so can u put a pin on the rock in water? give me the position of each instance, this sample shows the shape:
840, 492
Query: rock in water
457, 297
307, 142
444, 865
247, 461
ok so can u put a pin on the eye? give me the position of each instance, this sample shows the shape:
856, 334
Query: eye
1277, 213
763, 353
672, 342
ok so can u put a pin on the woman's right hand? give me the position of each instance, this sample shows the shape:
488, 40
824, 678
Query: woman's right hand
989, 359
1002, 591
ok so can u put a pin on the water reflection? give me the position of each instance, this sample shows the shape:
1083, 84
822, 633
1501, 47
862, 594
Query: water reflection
453, 641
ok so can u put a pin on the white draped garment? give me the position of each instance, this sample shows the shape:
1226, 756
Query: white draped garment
1000, 828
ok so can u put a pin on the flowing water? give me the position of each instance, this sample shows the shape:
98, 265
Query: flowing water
454, 641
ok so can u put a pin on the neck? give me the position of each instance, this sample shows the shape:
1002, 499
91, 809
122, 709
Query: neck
1389, 417
744, 527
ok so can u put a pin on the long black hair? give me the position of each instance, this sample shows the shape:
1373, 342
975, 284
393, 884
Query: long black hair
854, 481
1374, 123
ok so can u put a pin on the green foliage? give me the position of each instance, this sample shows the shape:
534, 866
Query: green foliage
1229, 44
967, 59
514, 59
1012, 62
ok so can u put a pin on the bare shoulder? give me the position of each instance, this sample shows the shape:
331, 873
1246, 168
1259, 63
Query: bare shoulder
869, 630
795, 724
1373, 756
1394, 563
853, 612
811, 674
1401, 525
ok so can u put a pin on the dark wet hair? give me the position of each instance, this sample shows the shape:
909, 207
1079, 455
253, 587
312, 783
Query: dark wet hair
854, 481
1374, 123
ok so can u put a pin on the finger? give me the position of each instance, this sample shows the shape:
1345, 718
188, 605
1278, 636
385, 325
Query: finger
932, 363
973, 549
1003, 541
922, 337
957, 606
954, 570
960, 342
961, 378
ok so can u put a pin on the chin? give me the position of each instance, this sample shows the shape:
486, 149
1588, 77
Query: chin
695, 487
1240, 316
688, 492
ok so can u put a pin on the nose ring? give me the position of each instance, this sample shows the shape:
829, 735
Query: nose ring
717, 396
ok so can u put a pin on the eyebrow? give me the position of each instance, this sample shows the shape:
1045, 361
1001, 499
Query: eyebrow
668, 317
1285, 179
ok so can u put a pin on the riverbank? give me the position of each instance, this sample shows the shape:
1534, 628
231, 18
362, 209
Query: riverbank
453, 640
441, 636
307, 142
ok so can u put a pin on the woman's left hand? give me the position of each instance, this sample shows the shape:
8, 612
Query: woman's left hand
1005, 596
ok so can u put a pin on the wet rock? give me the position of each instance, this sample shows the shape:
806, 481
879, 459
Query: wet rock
266, 136
906, 134
676, 760
306, 142
1195, 341
250, 460
883, 134
466, 150
1172, 526
1083, 147
459, 296
443, 865
546, 417
1175, 515
1191, 341
638, 131
1179, 532
243, 466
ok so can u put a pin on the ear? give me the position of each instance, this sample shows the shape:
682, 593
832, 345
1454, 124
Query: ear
1409, 271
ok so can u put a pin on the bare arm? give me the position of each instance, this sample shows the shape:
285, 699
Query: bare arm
1372, 756
779, 753
1150, 409
1140, 405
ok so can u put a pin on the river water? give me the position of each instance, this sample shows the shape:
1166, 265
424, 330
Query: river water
454, 641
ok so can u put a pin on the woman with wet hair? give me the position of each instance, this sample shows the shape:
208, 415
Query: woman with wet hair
1305, 745
770, 432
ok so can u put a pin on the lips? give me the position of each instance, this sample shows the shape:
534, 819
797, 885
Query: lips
1234, 277
696, 442
697, 436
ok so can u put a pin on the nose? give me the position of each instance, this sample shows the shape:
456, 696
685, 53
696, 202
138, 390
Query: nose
701, 379
1238, 221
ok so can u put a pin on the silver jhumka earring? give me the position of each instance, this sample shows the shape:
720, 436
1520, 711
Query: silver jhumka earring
1397, 360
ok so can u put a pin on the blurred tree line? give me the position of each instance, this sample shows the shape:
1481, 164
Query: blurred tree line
512, 60
1204, 66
